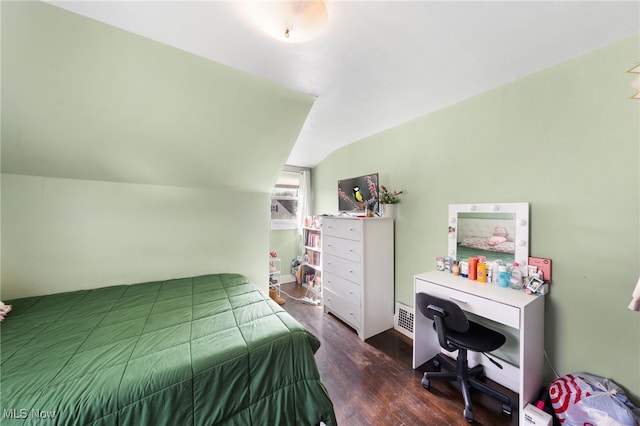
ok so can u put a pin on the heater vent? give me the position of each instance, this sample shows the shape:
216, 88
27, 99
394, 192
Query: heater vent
403, 319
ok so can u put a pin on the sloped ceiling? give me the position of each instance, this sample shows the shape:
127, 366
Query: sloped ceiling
381, 63
84, 100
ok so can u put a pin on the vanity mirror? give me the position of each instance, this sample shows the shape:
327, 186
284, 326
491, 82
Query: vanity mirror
496, 231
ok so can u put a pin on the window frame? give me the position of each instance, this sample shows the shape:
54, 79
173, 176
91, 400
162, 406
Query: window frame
284, 224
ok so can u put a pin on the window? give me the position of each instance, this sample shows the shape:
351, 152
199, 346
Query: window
284, 206
287, 200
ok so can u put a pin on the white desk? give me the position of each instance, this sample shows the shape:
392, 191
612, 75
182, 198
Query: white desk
506, 306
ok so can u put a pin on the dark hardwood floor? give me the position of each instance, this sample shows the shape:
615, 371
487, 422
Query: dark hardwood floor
373, 382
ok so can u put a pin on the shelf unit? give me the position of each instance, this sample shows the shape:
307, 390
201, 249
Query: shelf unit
312, 258
274, 273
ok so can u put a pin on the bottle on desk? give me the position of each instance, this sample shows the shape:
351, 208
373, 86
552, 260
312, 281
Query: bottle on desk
495, 268
515, 280
455, 268
473, 268
481, 274
464, 269
447, 264
503, 276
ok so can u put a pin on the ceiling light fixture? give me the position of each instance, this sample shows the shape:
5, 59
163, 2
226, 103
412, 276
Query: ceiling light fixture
636, 83
290, 21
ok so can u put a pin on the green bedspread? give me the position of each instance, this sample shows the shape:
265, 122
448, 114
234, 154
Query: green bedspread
203, 350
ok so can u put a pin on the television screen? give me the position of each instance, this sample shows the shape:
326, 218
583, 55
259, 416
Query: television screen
355, 194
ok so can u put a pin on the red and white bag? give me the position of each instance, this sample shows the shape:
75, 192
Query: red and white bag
581, 399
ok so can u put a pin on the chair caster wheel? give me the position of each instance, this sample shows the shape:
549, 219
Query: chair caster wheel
506, 409
468, 415
425, 382
436, 363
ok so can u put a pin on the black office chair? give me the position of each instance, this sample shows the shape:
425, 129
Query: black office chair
456, 332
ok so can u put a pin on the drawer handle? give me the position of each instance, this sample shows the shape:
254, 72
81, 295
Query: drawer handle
458, 300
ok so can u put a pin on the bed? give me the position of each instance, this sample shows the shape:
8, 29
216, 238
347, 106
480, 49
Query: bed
202, 350
487, 244
486, 236
463, 253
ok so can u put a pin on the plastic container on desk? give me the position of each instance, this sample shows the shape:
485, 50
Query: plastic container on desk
515, 281
503, 276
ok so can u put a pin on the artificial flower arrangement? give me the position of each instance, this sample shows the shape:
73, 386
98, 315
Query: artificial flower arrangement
389, 197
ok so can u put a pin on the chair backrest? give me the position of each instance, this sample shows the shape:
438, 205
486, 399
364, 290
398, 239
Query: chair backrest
446, 316
453, 317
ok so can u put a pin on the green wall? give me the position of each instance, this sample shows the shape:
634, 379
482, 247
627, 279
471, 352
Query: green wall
70, 234
85, 100
124, 159
566, 140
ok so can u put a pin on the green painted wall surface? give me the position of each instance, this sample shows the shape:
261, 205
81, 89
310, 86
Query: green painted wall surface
124, 159
68, 234
85, 100
566, 140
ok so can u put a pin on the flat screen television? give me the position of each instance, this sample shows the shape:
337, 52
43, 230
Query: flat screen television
357, 193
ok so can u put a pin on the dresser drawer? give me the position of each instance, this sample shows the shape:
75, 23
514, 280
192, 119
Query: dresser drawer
347, 249
348, 290
499, 312
343, 228
342, 267
343, 309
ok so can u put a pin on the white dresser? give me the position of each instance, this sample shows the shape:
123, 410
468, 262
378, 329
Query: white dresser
358, 272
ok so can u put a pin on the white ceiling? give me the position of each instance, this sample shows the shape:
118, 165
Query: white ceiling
380, 64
